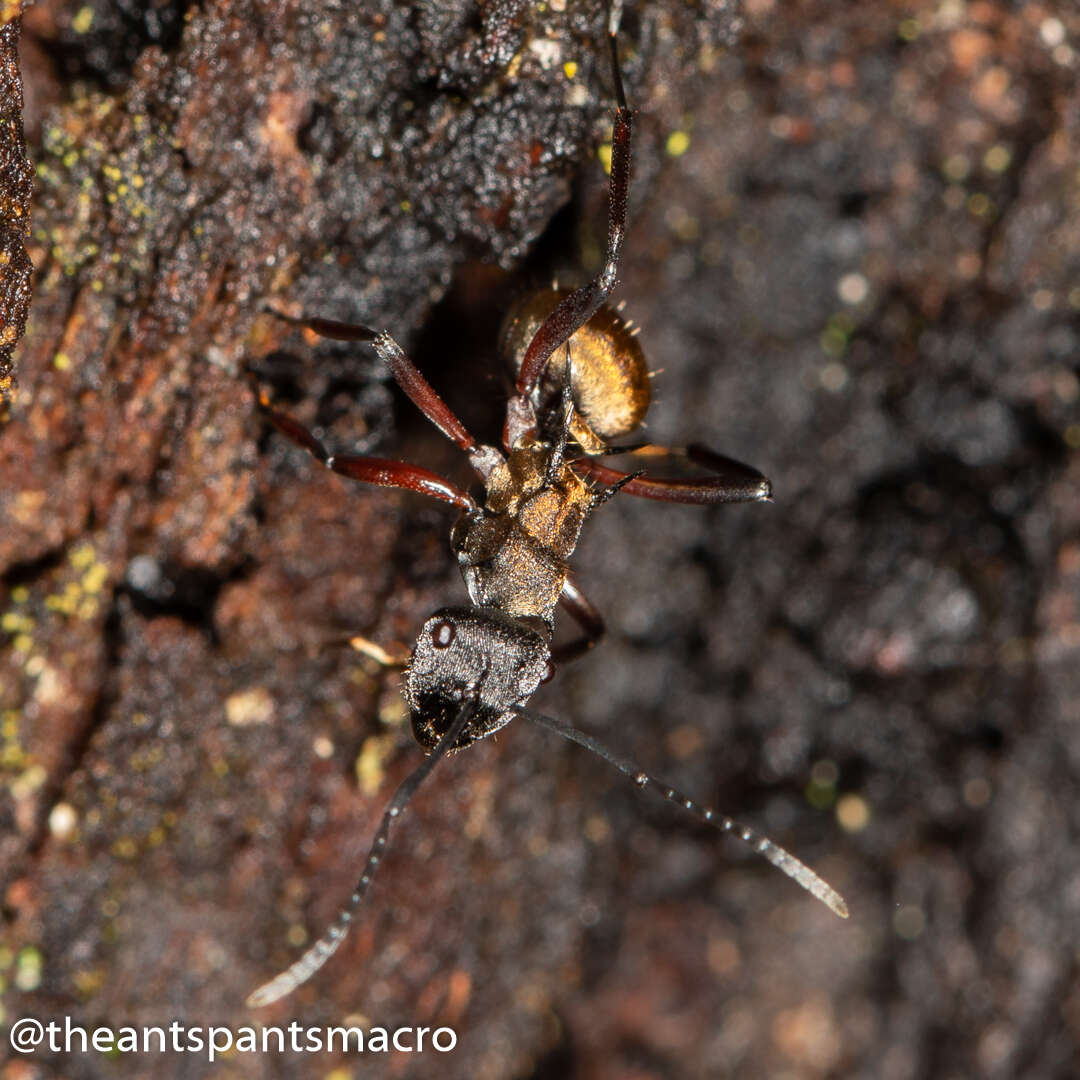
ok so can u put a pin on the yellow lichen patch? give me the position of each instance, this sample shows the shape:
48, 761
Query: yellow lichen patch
95, 577
9, 724
28, 966
12, 754
65, 602
79, 599
84, 19
88, 983
370, 761
14, 622
30, 780
678, 142
247, 707
81, 556
125, 848
26, 506
146, 758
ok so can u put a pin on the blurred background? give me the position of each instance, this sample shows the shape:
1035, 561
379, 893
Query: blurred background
854, 255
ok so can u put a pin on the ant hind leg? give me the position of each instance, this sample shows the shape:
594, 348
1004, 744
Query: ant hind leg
580, 608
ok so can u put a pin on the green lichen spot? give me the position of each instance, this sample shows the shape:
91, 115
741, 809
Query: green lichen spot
678, 142
28, 969
83, 20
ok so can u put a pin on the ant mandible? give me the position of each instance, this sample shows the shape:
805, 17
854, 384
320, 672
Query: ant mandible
581, 376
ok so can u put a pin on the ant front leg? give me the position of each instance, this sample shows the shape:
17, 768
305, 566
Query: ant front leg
395, 661
406, 374
580, 608
730, 481
370, 470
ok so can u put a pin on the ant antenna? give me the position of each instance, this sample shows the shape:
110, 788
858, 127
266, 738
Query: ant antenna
298, 973
781, 859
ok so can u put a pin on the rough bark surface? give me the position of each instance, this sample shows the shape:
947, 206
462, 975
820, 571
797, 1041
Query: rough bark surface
15, 184
854, 255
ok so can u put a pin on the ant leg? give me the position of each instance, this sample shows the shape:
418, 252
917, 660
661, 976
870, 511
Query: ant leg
302, 970
406, 374
399, 658
581, 610
732, 481
575, 310
371, 470
723, 465
781, 859
602, 496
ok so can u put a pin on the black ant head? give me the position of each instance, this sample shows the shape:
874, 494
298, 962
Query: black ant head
463, 648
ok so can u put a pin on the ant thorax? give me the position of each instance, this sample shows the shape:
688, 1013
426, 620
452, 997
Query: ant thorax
513, 551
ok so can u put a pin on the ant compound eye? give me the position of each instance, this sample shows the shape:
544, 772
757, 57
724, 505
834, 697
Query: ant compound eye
443, 634
549, 673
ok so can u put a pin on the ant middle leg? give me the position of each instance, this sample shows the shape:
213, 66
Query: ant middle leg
581, 609
730, 481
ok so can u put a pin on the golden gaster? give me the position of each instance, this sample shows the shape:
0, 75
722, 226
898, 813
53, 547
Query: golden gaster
609, 379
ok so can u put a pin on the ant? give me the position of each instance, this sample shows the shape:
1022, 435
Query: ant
580, 375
